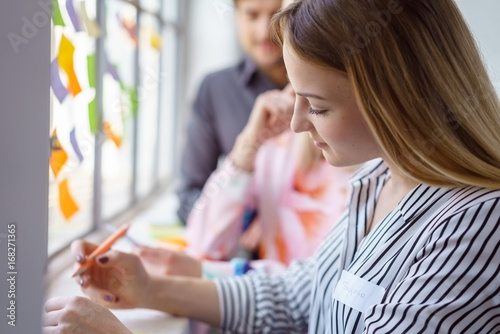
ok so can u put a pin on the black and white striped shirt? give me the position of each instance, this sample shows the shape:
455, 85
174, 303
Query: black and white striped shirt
435, 259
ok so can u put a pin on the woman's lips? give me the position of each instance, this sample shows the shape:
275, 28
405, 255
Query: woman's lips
319, 144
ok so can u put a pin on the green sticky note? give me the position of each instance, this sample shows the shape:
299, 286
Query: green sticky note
56, 14
93, 118
91, 70
134, 103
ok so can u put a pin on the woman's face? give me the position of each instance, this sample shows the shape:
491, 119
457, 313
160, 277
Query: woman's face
325, 107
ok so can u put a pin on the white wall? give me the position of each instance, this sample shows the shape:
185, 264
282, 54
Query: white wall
210, 44
483, 18
211, 40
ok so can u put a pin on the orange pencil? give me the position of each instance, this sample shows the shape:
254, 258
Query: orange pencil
101, 249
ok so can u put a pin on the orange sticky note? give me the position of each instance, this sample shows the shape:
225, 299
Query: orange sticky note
58, 155
111, 135
66, 202
65, 59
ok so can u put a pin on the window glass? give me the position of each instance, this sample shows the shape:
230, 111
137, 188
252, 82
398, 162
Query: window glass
167, 115
72, 141
119, 107
148, 98
152, 6
170, 10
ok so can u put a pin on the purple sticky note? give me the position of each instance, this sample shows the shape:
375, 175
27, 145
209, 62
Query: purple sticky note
60, 91
73, 16
74, 143
112, 70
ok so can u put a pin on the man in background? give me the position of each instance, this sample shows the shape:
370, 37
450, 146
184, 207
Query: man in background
225, 99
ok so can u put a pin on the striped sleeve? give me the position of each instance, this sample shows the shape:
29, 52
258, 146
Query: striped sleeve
451, 286
263, 303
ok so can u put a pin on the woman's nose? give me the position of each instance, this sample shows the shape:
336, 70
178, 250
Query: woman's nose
300, 122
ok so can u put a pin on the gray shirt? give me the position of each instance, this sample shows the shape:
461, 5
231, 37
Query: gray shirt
220, 112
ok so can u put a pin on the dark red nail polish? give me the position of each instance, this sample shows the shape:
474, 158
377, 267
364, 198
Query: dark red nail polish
117, 299
103, 259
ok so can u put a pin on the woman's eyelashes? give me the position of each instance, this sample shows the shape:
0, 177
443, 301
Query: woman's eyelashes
317, 112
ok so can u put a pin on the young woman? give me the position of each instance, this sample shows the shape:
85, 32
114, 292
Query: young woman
416, 252
275, 192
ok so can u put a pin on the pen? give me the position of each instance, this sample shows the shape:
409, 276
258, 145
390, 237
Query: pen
101, 249
112, 228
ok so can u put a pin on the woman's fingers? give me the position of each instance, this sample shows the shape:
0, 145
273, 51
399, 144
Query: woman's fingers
54, 304
80, 249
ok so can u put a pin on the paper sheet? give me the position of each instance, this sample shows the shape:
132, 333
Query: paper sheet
155, 40
58, 156
74, 143
111, 135
60, 91
75, 20
56, 14
65, 60
91, 26
66, 202
110, 68
93, 117
131, 29
91, 69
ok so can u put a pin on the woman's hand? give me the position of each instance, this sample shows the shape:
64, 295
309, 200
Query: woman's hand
79, 315
162, 262
116, 280
271, 115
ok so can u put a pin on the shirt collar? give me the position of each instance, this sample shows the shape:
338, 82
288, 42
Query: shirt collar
248, 70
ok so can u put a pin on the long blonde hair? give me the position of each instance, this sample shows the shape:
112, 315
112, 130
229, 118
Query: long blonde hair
418, 77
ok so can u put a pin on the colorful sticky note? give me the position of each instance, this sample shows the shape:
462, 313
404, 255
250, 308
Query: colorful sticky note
93, 116
91, 68
66, 202
56, 14
73, 15
110, 68
60, 91
91, 26
65, 60
111, 135
131, 29
155, 40
58, 155
74, 143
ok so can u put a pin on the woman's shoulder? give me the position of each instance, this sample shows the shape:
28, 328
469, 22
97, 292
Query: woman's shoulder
467, 198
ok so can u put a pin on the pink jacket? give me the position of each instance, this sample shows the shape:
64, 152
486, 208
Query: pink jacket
296, 212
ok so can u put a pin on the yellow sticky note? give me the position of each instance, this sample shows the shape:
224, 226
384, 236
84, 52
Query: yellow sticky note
155, 40
91, 26
66, 202
111, 135
58, 155
65, 60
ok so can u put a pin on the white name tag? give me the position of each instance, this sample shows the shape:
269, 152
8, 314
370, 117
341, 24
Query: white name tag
357, 292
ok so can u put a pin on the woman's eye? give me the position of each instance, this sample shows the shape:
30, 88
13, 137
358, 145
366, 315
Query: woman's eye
316, 112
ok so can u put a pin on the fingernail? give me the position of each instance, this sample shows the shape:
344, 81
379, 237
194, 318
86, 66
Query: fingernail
81, 281
103, 259
79, 258
108, 298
